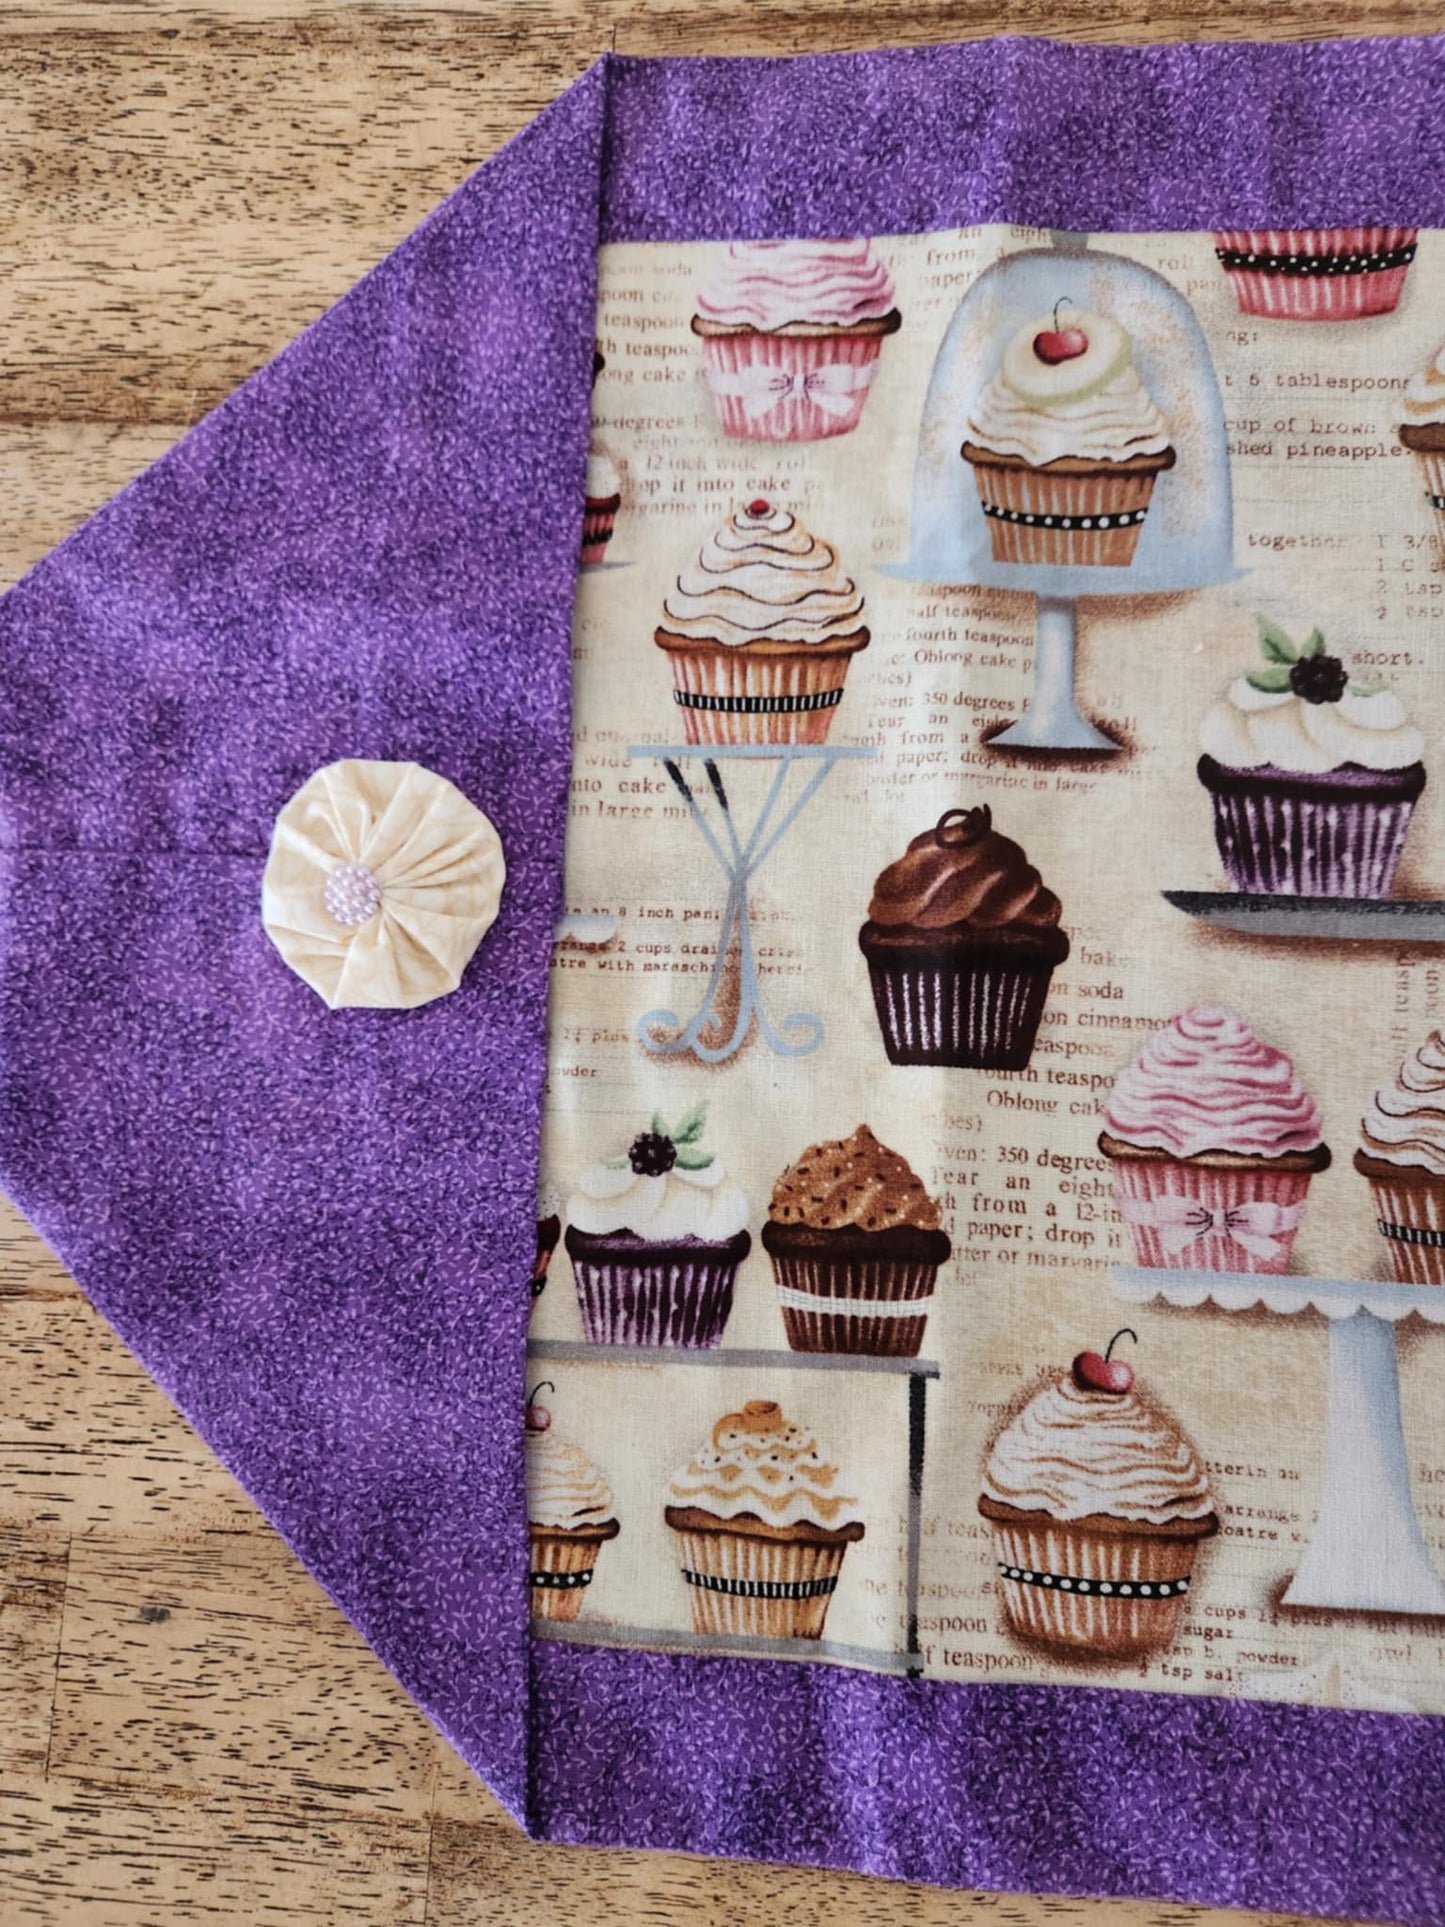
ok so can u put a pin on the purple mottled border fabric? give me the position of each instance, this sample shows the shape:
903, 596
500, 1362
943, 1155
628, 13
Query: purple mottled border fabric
316, 1228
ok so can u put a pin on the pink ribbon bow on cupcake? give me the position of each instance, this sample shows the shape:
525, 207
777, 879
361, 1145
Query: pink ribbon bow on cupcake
762, 388
1257, 1227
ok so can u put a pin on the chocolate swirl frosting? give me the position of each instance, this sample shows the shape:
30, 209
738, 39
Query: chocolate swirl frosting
962, 875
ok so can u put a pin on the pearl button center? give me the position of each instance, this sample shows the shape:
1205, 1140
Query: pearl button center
352, 894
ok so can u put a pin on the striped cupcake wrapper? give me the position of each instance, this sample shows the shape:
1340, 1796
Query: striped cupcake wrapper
875, 1307
759, 1588
636, 1302
1281, 845
978, 1016
1114, 1594
1316, 274
1411, 1216
740, 696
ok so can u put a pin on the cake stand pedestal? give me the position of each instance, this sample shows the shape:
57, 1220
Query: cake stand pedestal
740, 853
1052, 718
1367, 1552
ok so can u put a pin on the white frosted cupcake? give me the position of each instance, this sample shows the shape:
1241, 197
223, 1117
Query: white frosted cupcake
791, 334
1313, 777
1402, 1153
759, 629
1066, 444
1098, 1505
656, 1236
569, 1517
763, 1517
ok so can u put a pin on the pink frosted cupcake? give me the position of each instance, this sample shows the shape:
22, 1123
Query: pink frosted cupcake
1213, 1141
1316, 274
791, 334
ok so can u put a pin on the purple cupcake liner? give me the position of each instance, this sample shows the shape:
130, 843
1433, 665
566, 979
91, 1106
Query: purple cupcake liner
1279, 845
663, 1302
961, 1016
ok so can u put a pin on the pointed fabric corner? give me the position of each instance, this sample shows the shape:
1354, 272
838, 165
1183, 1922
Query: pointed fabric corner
314, 1229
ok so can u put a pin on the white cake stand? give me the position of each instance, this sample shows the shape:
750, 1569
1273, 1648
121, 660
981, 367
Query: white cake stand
1367, 1552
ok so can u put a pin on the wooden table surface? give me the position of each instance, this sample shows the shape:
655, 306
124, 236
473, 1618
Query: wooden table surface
189, 1730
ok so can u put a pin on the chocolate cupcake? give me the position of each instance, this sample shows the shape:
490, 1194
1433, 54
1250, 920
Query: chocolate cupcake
549, 1231
961, 941
856, 1244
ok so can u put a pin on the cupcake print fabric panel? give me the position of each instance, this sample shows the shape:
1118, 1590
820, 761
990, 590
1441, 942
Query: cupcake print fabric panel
949, 1120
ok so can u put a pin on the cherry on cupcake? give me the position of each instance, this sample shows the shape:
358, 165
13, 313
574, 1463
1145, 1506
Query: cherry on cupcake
1056, 344
538, 1417
1096, 1373
759, 507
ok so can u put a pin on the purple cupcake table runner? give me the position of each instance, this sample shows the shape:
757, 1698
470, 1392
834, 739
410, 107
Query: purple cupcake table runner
721, 931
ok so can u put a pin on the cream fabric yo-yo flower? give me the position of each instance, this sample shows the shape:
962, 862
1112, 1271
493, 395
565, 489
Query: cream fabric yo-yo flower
381, 881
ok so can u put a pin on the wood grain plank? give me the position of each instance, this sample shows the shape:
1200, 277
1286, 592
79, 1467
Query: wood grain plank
78, 1858
218, 1666
90, 1445
32, 1604
56, 474
833, 26
208, 196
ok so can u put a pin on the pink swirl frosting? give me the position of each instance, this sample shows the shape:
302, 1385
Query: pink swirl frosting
770, 284
1207, 1083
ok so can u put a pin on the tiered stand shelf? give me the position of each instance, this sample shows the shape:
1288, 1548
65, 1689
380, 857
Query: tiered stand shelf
1367, 1552
917, 1371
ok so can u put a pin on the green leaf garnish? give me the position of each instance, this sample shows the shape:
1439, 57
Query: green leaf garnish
694, 1160
1273, 682
1366, 688
689, 1130
1313, 645
615, 1164
1274, 644
657, 1127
